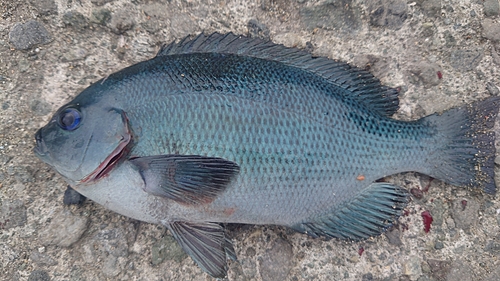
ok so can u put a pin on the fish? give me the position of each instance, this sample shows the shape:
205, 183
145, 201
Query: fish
223, 128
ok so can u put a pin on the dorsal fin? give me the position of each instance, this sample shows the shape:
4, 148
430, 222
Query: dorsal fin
362, 85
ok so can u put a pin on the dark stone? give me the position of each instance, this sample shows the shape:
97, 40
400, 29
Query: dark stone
44, 7
466, 60
492, 89
439, 269
64, 229
152, 26
437, 210
42, 259
390, 14
101, 16
75, 20
25, 36
428, 30
12, 214
394, 236
40, 107
39, 275
257, 29
112, 241
493, 247
449, 39
431, 8
465, 214
72, 197
277, 262
378, 66
20, 173
121, 22
74, 54
438, 245
461, 270
342, 15
417, 193
491, 30
167, 249
425, 73
367, 277
491, 8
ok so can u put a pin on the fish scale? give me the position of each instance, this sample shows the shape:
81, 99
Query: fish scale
228, 129
226, 111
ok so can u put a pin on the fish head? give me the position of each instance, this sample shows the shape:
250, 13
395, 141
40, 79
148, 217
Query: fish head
84, 140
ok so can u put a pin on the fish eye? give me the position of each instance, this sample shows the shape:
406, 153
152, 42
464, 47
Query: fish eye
69, 119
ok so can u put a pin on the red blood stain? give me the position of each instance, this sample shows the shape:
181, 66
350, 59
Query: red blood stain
406, 213
464, 204
426, 215
440, 75
361, 250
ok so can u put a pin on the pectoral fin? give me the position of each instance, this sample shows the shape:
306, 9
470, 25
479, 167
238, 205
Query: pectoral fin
206, 244
189, 179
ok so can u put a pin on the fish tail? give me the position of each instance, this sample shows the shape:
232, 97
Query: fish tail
467, 151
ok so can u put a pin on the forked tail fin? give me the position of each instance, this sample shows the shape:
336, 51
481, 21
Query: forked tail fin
467, 154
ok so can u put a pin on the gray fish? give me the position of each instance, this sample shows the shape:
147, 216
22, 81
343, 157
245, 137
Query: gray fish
228, 129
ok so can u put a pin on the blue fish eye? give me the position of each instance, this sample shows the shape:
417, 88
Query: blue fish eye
69, 119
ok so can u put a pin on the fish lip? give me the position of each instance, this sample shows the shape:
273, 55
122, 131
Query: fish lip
110, 162
40, 149
113, 159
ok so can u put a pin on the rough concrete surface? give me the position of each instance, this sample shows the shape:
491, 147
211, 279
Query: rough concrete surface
440, 53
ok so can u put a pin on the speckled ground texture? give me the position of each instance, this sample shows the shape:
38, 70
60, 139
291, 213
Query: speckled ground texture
440, 53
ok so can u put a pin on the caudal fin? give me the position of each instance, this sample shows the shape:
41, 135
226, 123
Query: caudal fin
467, 155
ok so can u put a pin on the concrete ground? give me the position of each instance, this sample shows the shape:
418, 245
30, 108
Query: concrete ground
440, 53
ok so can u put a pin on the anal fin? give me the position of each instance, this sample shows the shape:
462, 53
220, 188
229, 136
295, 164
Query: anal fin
206, 243
369, 214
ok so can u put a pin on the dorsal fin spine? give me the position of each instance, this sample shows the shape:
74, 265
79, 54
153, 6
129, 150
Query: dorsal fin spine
365, 88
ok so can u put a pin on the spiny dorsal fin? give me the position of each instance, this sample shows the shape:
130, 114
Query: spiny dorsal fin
362, 85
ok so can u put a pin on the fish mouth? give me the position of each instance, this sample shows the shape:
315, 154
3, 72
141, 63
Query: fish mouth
111, 161
39, 149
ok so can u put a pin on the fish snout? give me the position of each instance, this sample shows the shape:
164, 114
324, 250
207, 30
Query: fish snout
40, 148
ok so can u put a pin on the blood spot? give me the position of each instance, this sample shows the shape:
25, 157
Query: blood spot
361, 250
464, 204
427, 217
440, 75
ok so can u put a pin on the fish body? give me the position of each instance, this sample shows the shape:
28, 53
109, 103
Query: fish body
227, 129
